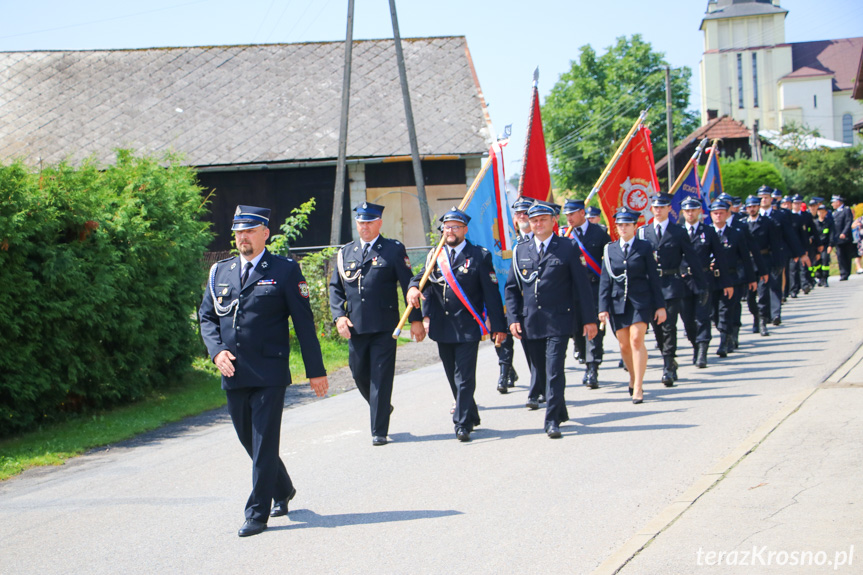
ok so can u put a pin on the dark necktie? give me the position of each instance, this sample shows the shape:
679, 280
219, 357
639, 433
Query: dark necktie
658, 233
246, 269
541, 250
580, 233
366, 251
625, 251
692, 233
451, 254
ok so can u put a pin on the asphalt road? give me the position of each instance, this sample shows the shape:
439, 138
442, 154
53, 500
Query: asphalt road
510, 501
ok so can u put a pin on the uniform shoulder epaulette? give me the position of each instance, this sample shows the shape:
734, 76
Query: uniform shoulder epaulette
280, 257
483, 249
398, 243
226, 260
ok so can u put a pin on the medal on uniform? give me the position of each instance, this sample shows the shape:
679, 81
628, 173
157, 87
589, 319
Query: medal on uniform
375, 261
524, 272
353, 265
220, 299
466, 264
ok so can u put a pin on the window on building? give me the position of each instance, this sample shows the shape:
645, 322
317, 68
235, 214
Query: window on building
814, 100
847, 129
754, 80
740, 80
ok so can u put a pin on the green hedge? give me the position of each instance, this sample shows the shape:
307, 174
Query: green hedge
100, 276
741, 177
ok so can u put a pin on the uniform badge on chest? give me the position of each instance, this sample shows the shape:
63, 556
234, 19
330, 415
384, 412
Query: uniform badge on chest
464, 267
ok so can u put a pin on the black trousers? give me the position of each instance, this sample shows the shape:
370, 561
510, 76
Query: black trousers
727, 310
372, 359
776, 279
459, 363
666, 332
505, 351
760, 301
547, 375
591, 349
257, 416
696, 318
844, 256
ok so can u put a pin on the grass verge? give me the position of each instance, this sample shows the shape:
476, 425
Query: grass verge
199, 391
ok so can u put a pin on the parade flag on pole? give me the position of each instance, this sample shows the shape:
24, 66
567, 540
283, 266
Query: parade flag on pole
711, 181
631, 182
691, 187
535, 180
490, 219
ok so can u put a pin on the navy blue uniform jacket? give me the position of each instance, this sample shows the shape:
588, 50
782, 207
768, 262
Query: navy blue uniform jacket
709, 250
259, 338
642, 288
369, 297
449, 320
737, 257
673, 254
767, 241
548, 297
842, 220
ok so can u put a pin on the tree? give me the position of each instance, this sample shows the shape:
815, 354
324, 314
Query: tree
741, 177
595, 103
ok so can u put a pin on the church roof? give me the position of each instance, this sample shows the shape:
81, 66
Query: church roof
839, 58
717, 9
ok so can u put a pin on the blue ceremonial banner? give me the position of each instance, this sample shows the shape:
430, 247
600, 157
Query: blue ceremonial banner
689, 188
491, 223
711, 181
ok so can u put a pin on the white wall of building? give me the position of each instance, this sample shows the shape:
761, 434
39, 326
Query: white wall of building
808, 101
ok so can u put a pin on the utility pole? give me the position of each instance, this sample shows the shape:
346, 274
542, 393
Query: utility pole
756, 142
409, 117
668, 126
339, 191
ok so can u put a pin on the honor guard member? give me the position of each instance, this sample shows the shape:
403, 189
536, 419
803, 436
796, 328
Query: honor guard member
842, 238
739, 273
738, 221
364, 302
462, 283
244, 323
695, 307
590, 240
789, 248
766, 239
673, 252
630, 296
593, 216
508, 375
546, 292
792, 284
800, 276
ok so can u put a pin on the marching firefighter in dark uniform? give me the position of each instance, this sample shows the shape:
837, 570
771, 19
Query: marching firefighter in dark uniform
824, 228
673, 252
546, 291
461, 285
767, 241
508, 375
789, 248
365, 306
801, 278
695, 307
740, 273
843, 217
738, 220
244, 323
590, 239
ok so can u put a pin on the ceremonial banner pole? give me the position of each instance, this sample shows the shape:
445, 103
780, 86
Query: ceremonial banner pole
689, 165
616, 157
713, 149
464, 202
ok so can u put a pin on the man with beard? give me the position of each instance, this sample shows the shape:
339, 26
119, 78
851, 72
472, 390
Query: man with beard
461, 284
244, 324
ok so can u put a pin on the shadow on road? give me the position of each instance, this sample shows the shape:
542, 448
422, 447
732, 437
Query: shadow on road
306, 518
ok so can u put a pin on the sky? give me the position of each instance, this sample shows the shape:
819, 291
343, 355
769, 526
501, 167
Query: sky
507, 39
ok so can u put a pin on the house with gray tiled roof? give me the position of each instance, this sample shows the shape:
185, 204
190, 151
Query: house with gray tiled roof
260, 122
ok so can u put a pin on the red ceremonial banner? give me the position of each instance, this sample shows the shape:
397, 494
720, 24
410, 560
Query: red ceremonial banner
632, 182
535, 181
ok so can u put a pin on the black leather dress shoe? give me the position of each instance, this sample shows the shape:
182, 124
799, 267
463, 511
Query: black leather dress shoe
251, 527
553, 430
777, 321
541, 398
462, 434
280, 508
531, 403
379, 440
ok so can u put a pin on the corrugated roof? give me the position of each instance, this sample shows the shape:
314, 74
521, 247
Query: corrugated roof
838, 57
225, 105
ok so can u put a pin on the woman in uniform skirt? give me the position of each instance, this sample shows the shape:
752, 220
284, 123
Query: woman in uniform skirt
630, 296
